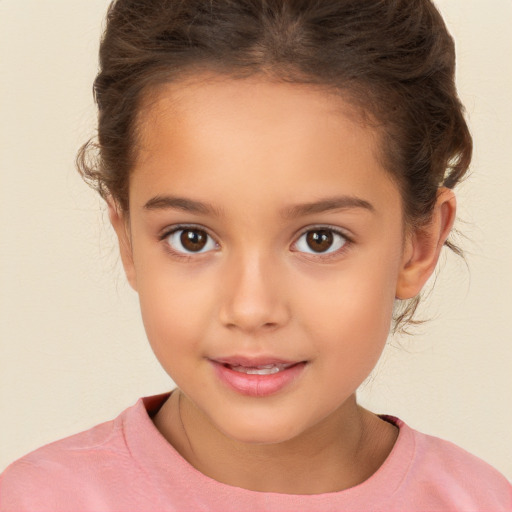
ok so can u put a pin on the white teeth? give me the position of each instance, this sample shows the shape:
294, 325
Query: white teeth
268, 369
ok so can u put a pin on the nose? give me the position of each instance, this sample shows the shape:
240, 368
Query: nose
253, 296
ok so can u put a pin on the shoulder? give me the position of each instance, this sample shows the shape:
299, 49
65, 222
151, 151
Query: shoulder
58, 463
60, 472
439, 455
450, 474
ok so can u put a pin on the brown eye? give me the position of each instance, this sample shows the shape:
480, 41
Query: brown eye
193, 240
190, 240
320, 241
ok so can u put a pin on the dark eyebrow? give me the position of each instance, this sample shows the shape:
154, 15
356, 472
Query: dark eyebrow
323, 205
181, 203
297, 210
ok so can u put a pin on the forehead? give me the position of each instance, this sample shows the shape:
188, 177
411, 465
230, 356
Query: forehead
206, 88
212, 102
254, 134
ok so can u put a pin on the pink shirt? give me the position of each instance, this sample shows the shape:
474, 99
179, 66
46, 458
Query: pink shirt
126, 464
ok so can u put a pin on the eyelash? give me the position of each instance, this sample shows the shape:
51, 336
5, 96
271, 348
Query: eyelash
182, 227
324, 256
348, 241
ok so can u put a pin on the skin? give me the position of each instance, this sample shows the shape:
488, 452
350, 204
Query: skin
251, 149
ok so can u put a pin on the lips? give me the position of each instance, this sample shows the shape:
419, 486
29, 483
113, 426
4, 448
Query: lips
257, 377
267, 369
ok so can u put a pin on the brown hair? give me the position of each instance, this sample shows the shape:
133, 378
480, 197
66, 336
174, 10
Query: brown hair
394, 59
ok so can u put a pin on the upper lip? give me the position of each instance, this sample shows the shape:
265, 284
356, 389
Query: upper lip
252, 362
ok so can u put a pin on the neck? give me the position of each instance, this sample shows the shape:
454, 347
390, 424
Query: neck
342, 451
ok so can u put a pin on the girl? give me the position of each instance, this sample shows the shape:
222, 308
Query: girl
279, 175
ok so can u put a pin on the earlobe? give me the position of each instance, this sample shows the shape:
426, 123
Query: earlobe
423, 246
121, 227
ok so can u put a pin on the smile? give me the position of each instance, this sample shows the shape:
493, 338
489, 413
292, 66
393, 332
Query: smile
249, 378
268, 369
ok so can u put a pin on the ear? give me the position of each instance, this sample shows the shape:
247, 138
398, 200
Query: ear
423, 246
121, 226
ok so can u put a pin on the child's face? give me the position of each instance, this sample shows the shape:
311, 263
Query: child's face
260, 278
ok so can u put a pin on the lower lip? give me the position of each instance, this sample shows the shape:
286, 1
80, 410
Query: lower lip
258, 385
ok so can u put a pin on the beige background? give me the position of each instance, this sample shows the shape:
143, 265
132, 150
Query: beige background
73, 352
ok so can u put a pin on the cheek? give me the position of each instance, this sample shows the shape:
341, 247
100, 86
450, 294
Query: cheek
351, 319
359, 293
175, 309
357, 322
350, 337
